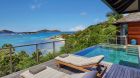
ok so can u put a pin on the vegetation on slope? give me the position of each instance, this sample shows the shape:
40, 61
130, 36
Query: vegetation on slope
20, 60
92, 35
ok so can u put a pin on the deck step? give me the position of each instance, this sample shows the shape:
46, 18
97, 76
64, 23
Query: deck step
132, 50
132, 53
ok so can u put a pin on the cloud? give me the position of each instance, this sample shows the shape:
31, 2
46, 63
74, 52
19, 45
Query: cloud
83, 13
98, 20
78, 28
37, 4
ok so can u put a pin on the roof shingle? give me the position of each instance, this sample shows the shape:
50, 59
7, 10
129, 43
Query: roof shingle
133, 17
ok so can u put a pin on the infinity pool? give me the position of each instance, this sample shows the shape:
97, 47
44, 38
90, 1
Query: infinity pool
116, 56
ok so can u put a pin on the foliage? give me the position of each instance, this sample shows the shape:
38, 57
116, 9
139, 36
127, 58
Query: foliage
114, 15
48, 56
93, 35
4, 60
20, 60
34, 55
22, 55
26, 62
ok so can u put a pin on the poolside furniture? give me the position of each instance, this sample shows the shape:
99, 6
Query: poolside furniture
119, 71
47, 73
52, 73
79, 62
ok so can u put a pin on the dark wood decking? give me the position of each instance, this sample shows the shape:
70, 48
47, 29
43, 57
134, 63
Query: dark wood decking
51, 64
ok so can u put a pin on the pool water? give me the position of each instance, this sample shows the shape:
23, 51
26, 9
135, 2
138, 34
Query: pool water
116, 56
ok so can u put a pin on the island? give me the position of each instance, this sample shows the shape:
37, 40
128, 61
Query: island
39, 31
6, 31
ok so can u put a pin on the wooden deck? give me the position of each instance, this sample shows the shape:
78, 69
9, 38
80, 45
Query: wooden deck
52, 64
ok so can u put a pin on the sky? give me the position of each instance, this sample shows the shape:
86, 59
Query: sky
64, 15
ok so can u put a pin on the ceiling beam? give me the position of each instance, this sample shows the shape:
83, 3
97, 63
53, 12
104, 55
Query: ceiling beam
122, 5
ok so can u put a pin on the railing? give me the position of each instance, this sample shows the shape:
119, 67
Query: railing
122, 40
10, 51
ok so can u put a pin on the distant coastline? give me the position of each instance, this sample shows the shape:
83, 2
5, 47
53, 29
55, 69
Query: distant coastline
12, 32
55, 38
59, 37
31, 38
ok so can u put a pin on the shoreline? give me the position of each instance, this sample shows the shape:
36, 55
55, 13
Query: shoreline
55, 38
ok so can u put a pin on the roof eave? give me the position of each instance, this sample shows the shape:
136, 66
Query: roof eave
123, 12
126, 22
109, 6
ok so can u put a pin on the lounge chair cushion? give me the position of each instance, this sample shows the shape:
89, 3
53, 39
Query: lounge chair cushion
26, 74
96, 59
36, 70
47, 73
91, 74
79, 75
50, 73
88, 61
80, 61
70, 58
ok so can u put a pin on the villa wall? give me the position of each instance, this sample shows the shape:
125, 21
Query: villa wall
134, 31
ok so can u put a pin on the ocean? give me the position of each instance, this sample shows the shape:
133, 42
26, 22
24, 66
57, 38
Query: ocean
25, 39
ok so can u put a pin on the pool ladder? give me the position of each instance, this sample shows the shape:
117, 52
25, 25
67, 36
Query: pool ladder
132, 50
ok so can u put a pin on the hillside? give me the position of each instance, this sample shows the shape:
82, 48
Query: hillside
46, 30
91, 36
6, 31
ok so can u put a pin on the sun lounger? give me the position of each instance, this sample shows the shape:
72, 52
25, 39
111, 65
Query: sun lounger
52, 73
78, 62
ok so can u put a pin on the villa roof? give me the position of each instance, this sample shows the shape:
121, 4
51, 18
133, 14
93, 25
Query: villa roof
132, 17
123, 6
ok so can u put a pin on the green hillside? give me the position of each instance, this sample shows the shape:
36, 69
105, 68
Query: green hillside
92, 35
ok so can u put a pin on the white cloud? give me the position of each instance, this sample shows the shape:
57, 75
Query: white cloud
98, 20
37, 4
33, 7
83, 13
78, 28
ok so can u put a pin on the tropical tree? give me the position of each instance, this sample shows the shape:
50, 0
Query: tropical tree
114, 15
5, 60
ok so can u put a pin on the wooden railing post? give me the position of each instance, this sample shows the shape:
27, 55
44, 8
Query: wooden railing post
10, 54
53, 46
37, 54
116, 40
65, 45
